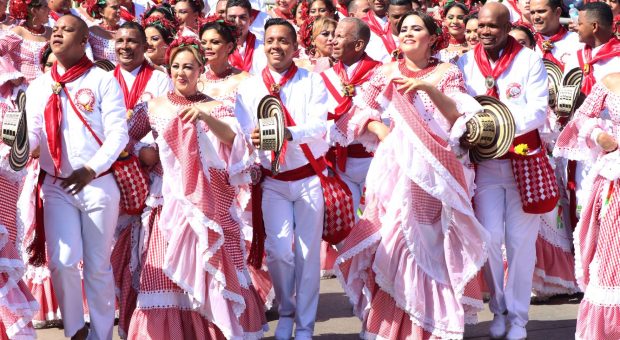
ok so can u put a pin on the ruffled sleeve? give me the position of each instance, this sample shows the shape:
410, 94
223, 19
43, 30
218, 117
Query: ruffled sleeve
8, 42
578, 139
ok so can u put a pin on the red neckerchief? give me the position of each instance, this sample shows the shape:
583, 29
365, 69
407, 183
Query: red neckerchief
56, 16
53, 108
274, 90
244, 63
281, 14
126, 14
482, 60
547, 45
384, 33
343, 10
253, 14
142, 79
513, 4
362, 72
609, 50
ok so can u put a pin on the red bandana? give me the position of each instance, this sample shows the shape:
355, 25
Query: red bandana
547, 45
53, 108
586, 62
128, 14
278, 12
244, 62
505, 60
131, 98
384, 33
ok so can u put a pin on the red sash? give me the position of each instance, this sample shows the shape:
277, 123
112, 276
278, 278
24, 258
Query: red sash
384, 33
244, 63
53, 108
609, 50
55, 15
546, 50
514, 6
281, 14
142, 79
363, 71
505, 60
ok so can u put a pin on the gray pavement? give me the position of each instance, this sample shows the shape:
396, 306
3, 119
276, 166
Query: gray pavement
551, 320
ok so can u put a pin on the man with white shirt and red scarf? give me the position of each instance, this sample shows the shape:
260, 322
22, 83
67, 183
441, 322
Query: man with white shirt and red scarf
291, 205
599, 56
344, 81
248, 56
553, 41
501, 68
80, 194
383, 44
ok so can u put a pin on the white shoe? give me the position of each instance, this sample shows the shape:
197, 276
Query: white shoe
516, 333
497, 330
284, 330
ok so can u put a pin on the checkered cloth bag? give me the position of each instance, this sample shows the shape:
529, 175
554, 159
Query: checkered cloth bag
536, 182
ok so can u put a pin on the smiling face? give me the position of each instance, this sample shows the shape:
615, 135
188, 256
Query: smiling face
216, 48
280, 46
414, 37
471, 33
186, 16
319, 9
129, 48
155, 45
286, 6
40, 14
493, 27
454, 21
544, 19
185, 72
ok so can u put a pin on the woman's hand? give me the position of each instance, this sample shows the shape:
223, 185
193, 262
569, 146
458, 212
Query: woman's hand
379, 129
190, 114
607, 142
411, 84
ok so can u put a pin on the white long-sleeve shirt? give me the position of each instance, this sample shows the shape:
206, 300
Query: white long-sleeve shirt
79, 147
305, 98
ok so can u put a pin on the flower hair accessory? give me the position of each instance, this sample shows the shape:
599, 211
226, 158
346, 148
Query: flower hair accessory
236, 33
160, 22
94, 7
305, 35
186, 42
18, 9
443, 38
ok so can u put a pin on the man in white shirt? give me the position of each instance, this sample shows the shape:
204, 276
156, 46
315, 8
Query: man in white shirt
80, 195
383, 44
292, 204
249, 54
353, 68
553, 41
501, 67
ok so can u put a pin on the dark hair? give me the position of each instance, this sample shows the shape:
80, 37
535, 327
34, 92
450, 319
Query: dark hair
553, 4
453, 4
281, 22
196, 5
470, 17
239, 3
399, 3
527, 32
328, 4
167, 33
45, 54
165, 9
600, 12
222, 29
132, 25
429, 22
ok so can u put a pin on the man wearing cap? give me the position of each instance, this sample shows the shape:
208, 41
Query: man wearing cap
501, 68
80, 195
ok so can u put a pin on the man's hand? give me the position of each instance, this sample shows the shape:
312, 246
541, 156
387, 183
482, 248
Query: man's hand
607, 142
256, 138
78, 180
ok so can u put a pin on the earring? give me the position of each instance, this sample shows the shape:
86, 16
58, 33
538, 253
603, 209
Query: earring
200, 82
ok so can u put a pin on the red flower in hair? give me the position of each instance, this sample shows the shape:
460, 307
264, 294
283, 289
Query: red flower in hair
18, 9
305, 10
186, 41
94, 7
305, 35
161, 22
236, 33
443, 38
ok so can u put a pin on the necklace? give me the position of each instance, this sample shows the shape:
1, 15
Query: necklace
36, 32
108, 28
214, 78
179, 100
457, 42
405, 71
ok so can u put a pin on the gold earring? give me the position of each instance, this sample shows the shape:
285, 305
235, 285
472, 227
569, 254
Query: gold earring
200, 82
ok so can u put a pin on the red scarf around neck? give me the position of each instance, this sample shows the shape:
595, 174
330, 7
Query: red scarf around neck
546, 50
278, 12
385, 33
142, 79
586, 62
53, 108
274, 90
244, 62
505, 60
128, 14
56, 15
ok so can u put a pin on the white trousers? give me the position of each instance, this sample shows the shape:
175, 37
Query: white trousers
355, 178
81, 227
293, 215
498, 208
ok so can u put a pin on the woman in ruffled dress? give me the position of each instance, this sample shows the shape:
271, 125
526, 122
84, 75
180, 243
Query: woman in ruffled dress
102, 36
17, 305
21, 45
193, 283
418, 244
592, 137
218, 39
188, 13
316, 35
6, 21
454, 22
160, 33
322, 8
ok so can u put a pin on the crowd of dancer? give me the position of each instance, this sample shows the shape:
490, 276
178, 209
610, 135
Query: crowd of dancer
376, 93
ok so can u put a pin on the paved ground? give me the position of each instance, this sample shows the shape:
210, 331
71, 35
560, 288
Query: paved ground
552, 320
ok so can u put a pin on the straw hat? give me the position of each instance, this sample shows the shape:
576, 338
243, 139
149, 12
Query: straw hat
555, 80
569, 93
15, 133
271, 128
491, 131
105, 65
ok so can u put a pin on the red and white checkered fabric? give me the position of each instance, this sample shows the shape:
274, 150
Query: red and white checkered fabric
536, 182
339, 215
133, 183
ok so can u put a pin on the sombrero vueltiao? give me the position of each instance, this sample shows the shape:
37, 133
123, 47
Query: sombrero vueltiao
105, 65
491, 131
555, 80
569, 93
15, 133
271, 128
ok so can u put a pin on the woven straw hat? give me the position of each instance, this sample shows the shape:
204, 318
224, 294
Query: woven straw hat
271, 126
15, 133
555, 80
491, 131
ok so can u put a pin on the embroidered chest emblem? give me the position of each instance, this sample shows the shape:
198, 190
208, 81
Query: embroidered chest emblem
85, 100
348, 90
514, 91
